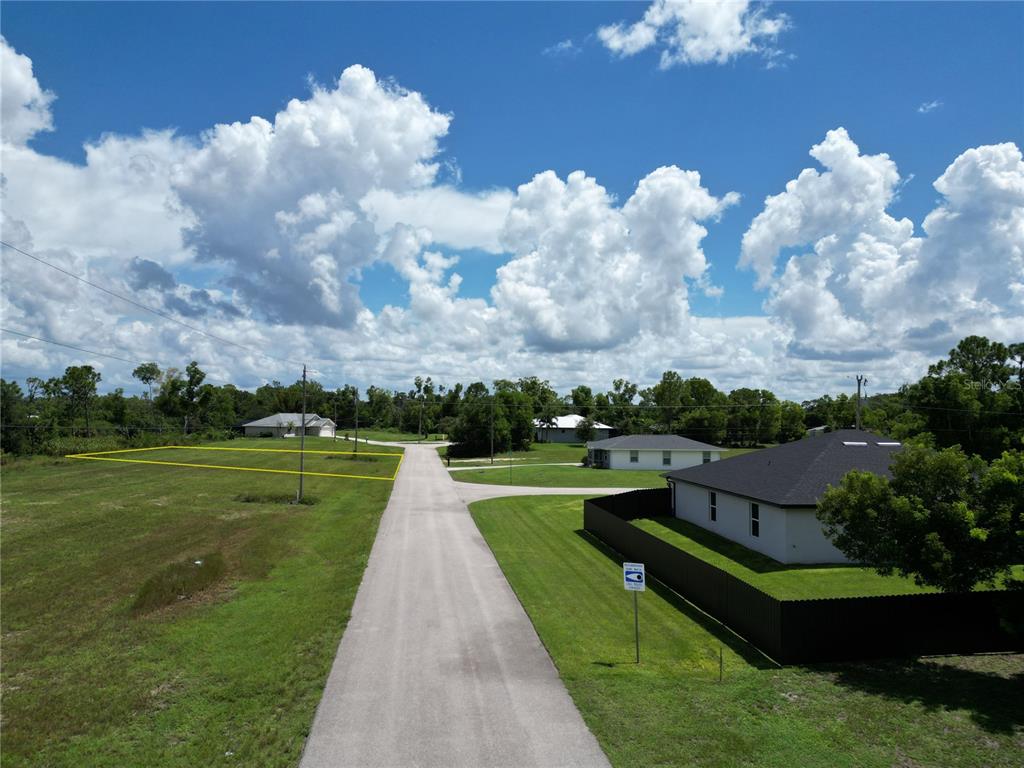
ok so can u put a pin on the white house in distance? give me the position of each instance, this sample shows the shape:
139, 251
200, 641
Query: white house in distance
664, 452
287, 425
562, 429
765, 500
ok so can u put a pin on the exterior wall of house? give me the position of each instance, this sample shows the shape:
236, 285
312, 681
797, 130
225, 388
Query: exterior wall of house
275, 431
734, 519
283, 431
557, 435
619, 459
807, 542
786, 535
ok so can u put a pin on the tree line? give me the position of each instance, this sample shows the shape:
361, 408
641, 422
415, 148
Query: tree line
974, 398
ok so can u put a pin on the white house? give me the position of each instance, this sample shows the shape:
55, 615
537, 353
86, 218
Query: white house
664, 452
562, 429
287, 425
765, 500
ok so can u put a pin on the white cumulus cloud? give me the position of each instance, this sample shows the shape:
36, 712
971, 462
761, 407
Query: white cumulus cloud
588, 274
698, 32
24, 105
870, 286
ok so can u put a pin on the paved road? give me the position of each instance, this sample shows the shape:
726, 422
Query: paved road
439, 664
516, 466
470, 492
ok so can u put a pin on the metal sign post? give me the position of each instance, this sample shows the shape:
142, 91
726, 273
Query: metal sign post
634, 580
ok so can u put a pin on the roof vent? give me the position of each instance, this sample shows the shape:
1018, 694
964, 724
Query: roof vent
853, 442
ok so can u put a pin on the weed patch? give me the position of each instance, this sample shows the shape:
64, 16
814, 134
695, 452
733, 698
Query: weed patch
273, 498
179, 581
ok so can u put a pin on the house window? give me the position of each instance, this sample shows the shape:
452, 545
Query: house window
634, 457
666, 458
755, 519
706, 458
712, 506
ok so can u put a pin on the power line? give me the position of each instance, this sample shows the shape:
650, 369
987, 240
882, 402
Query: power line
146, 307
206, 377
71, 346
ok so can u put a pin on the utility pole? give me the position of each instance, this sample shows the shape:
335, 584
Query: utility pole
357, 421
492, 429
335, 416
302, 434
861, 379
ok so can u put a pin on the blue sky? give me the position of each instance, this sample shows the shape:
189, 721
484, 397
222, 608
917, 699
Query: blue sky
520, 108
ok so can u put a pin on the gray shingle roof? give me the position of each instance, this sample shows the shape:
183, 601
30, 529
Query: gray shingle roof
795, 474
283, 419
651, 443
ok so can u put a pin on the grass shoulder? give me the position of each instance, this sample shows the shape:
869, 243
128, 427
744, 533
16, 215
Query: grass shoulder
672, 710
117, 652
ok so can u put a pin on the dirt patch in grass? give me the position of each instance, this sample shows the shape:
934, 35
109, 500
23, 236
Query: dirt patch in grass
179, 581
274, 498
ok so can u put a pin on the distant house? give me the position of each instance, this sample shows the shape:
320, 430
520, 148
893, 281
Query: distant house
765, 500
664, 452
287, 425
562, 429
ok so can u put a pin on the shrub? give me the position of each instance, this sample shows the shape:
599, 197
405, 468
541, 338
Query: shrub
179, 581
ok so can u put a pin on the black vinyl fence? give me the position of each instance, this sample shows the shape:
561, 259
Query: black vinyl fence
802, 631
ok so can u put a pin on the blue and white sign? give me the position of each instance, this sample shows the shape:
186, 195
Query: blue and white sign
633, 577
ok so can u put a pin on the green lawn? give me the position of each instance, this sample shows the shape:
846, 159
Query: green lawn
251, 454
539, 453
563, 477
783, 581
231, 676
670, 710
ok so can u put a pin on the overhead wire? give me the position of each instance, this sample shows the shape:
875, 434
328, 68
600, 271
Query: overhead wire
206, 377
148, 308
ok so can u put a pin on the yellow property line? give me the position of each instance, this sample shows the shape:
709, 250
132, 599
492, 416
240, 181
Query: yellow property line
237, 469
212, 448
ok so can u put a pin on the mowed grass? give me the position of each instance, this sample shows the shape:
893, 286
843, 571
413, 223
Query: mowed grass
539, 453
562, 477
788, 582
670, 710
247, 455
231, 675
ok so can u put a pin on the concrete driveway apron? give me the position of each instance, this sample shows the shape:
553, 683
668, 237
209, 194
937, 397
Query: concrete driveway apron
439, 664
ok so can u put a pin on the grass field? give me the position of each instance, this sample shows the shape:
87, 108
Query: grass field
250, 457
670, 710
562, 477
789, 582
230, 676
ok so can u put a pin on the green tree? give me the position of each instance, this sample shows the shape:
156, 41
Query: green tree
791, 422
79, 384
622, 412
585, 431
582, 399
669, 395
945, 519
148, 374
706, 418
15, 436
